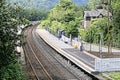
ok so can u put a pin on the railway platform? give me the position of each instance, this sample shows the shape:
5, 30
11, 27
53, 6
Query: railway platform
81, 58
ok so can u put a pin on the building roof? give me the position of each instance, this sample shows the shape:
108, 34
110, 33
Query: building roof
96, 13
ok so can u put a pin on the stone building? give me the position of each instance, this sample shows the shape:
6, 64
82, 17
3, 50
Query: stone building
92, 14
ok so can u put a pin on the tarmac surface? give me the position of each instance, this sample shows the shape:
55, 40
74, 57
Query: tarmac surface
86, 58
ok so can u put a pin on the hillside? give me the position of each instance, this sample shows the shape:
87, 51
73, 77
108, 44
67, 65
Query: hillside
44, 4
80, 2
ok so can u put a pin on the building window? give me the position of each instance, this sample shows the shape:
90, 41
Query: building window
88, 18
93, 17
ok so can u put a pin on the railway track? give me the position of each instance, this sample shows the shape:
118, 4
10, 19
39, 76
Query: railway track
45, 63
38, 70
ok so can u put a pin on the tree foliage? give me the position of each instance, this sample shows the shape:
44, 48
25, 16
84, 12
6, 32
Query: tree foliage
97, 26
11, 72
9, 21
33, 14
65, 15
116, 22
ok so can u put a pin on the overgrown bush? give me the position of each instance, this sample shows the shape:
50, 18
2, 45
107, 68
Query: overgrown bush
11, 72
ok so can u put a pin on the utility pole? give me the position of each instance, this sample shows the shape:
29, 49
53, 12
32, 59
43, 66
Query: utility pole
107, 4
108, 24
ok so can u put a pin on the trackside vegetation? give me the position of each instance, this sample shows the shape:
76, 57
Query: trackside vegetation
64, 16
10, 69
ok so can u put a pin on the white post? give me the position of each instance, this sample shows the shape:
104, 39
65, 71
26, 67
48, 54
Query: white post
100, 48
70, 39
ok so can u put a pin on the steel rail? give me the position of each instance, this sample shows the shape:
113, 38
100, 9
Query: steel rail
32, 66
28, 40
33, 69
35, 48
52, 55
47, 58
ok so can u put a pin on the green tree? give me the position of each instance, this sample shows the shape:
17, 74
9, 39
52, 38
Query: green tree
91, 35
65, 15
99, 26
11, 72
33, 14
116, 23
9, 21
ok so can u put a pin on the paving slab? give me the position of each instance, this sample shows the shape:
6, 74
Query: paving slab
87, 58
